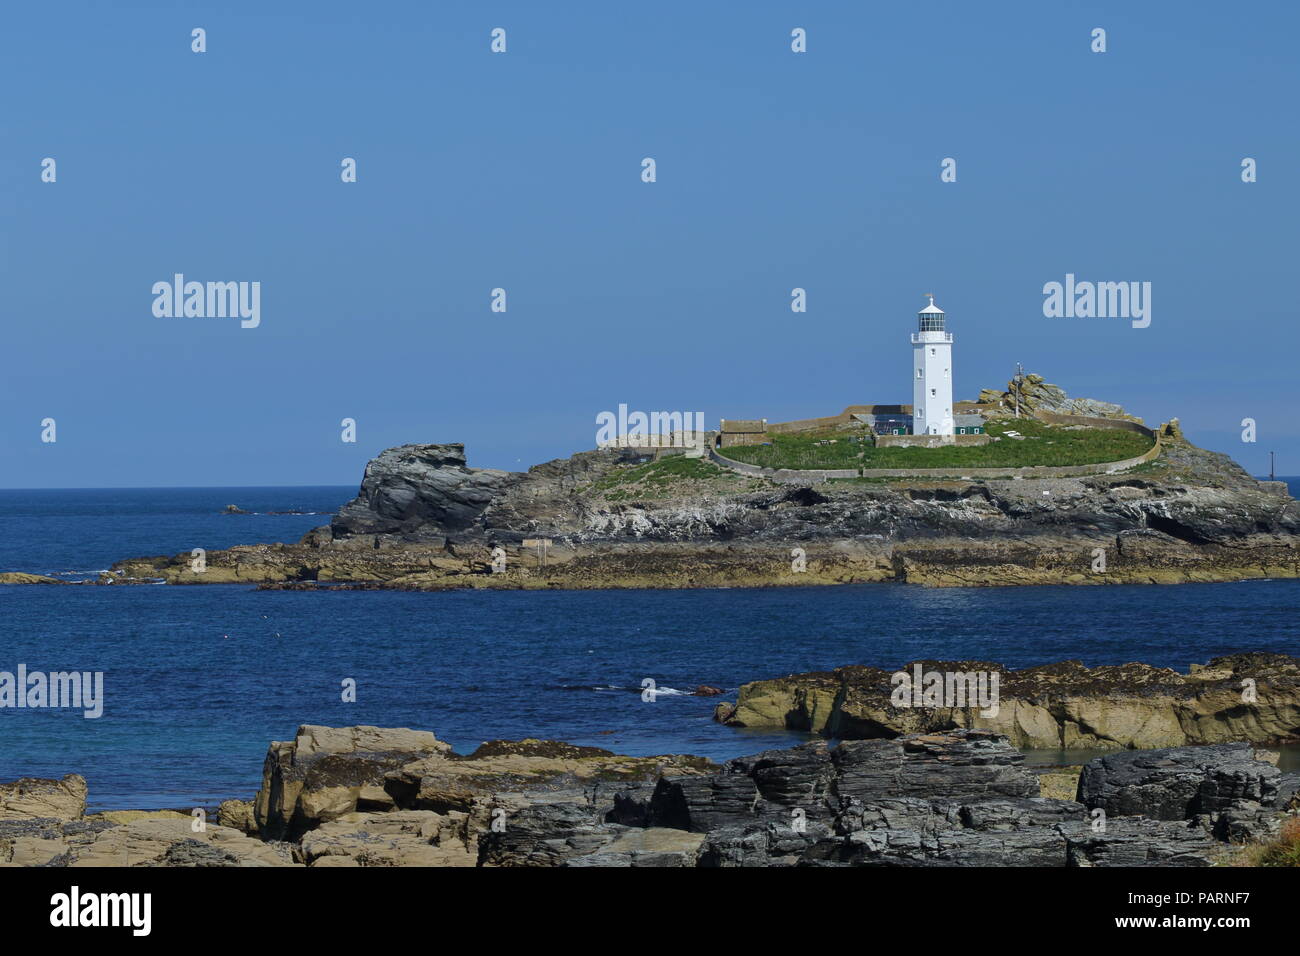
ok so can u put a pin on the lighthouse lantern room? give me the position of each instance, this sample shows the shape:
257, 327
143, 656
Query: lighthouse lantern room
932, 374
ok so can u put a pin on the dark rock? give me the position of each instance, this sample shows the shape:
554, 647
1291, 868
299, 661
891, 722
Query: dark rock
1129, 841
630, 803
420, 488
798, 777
197, 853
700, 804
1288, 792
547, 834
770, 844
1178, 782
1242, 822
962, 763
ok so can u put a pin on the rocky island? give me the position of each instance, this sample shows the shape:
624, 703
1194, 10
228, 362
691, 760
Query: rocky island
626, 517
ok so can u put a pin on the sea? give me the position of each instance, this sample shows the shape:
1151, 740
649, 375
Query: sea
199, 679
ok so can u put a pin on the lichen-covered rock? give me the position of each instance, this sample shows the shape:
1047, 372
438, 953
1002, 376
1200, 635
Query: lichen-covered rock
239, 815
1036, 394
397, 838
1063, 705
31, 798
149, 841
326, 772
160, 842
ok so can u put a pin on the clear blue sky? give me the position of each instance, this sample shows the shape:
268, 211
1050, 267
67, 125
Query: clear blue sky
775, 170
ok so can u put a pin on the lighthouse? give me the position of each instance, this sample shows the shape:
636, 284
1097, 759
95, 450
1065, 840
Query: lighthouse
932, 373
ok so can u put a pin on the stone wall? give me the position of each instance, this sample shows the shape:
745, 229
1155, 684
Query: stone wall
830, 421
929, 441
1123, 424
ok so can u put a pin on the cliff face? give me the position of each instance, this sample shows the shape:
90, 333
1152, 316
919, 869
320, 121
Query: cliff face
420, 490
616, 518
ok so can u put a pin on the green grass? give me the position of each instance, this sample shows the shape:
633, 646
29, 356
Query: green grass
655, 479
1042, 444
1283, 851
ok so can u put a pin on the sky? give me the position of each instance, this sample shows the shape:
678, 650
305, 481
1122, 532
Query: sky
523, 171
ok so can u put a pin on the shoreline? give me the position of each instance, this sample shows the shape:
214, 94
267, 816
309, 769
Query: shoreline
1290, 749
394, 797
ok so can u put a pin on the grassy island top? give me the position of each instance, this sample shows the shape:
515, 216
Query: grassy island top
1037, 444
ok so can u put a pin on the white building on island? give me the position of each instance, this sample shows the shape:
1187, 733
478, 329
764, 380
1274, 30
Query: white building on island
932, 374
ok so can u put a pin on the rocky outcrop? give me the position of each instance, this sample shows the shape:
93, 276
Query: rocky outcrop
1252, 697
149, 841
960, 798
38, 799
420, 489
239, 815
353, 776
396, 838
19, 577
325, 773
1037, 395
1179, 783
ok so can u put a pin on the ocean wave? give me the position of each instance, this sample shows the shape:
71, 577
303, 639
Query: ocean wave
600, 688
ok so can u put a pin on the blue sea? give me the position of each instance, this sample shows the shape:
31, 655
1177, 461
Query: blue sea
198, 679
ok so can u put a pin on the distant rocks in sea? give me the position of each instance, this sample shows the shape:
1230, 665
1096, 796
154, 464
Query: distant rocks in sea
1253, 697
236, 510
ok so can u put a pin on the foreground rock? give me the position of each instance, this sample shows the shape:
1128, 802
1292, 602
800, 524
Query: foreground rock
44, 823
36, 799
1224, 786
333, 785
324, 773
1065, 705
620, 518
959, 799
962, 798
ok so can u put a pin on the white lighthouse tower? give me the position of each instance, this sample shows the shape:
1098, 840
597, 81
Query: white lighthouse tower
932, 374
